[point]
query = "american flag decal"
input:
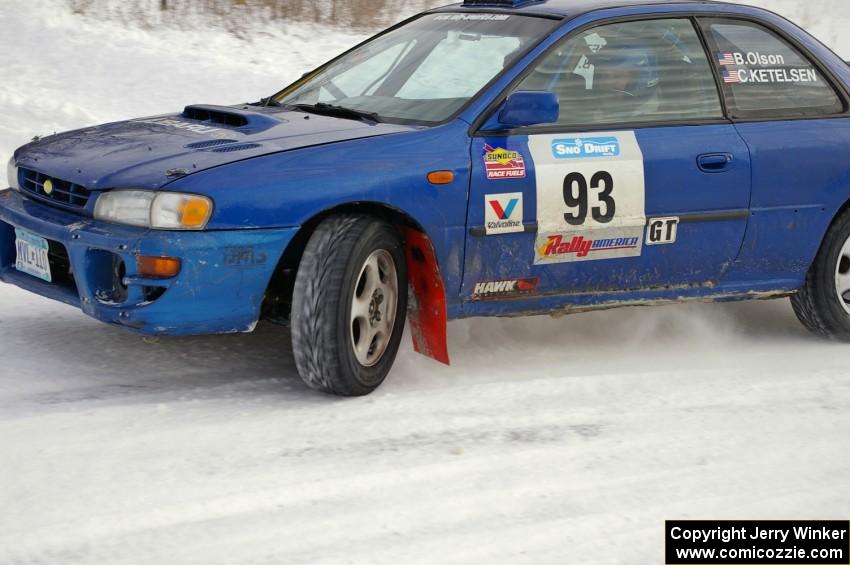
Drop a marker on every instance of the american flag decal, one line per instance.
(731, 77)
(726, 60)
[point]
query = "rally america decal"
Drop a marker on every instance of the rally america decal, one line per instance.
(590, 197)
(488, 290)
(503, 213)
(503, 164)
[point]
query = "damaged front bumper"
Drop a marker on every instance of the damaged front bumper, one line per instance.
(220, 287)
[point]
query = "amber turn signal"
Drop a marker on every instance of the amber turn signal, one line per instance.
(158, 267)
(195, 212)
(441, 177)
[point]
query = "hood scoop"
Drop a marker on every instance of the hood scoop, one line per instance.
(232, 118)
(218, 116)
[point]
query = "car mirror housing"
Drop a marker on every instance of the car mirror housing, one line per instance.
(529, 108)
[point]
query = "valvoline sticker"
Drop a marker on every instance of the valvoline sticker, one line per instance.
(583, 147)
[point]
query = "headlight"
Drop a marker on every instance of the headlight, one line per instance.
(12, 174)
(175, 211)
(131, 207)
(157, 210)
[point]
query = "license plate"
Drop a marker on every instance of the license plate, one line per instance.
(32, 255)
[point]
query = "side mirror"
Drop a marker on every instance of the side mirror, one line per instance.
(529, 108)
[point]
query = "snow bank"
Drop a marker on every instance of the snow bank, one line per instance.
(62, 71)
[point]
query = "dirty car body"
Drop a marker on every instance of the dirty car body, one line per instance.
(595, 153)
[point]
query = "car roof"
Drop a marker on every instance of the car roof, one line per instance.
(564, 8)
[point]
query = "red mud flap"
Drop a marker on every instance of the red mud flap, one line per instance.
(427, 307)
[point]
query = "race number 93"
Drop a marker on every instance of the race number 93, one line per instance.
(578, 199)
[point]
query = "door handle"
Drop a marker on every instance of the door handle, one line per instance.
(715, 162)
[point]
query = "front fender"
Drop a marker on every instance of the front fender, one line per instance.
(288, 189)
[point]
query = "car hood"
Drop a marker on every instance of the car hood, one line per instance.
(151, 152)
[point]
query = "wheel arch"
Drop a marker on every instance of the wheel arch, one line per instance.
(427, 310)
(840, 211)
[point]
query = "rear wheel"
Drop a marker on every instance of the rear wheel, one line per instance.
(823, 304)
(349, 305)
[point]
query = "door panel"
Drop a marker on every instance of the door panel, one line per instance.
(643, 214)
(800, 179)
(800, 166)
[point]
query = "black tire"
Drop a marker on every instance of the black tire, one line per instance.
(819, 305)
(326, 288)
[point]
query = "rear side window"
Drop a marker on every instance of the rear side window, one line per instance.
(764, 76)
(626, 73)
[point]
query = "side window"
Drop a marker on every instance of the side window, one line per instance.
(764, 76)
(644, 71)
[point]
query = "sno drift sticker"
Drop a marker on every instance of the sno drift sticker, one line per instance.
(503, 213)
(590, 197)
(505, 289)
(575, 148)
(503, 164)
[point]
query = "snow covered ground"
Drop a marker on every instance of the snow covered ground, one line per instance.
(548, 441)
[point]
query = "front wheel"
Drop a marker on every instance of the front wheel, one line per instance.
(349, 305)
(823, 304)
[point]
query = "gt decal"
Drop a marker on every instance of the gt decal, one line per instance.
(503, 213)
(505, 289)
(662, 231)
(590, 197)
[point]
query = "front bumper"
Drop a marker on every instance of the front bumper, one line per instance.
(220, 287)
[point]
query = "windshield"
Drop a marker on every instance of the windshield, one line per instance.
(422, 72)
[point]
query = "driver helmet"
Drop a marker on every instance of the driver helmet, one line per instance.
(628, 71)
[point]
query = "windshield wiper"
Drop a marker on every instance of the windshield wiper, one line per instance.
(267, 101)
(325, 109)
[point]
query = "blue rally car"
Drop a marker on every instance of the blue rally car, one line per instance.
(491, 158)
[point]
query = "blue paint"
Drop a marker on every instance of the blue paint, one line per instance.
(278, 170)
